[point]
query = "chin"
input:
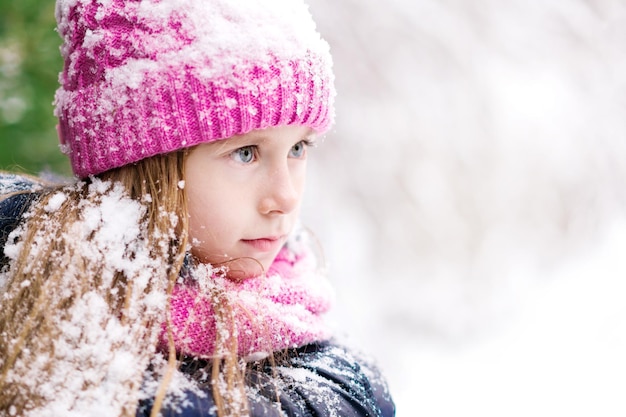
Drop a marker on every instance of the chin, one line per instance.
(240, 268)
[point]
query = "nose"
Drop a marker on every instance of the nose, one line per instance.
(282, 190)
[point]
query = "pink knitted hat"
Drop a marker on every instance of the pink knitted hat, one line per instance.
(147, 77)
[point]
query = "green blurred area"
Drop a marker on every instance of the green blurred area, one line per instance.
(29, 66)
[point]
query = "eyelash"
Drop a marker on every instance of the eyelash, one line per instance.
(309, 142)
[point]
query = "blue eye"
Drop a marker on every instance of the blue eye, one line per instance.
(298, 150)
(244, 155)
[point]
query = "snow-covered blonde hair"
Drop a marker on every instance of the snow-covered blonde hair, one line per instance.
(86, 293)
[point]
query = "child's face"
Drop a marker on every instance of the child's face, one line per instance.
(244, 195)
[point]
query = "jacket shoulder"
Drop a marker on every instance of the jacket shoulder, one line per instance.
(16, 195)
(332, 378)
(11, 183)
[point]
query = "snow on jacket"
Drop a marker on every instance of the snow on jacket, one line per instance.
(317, 380)
(323, 379)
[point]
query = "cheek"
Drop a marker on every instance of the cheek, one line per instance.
(204, 212)
(207, 232)
(213, 213)
(300, 181)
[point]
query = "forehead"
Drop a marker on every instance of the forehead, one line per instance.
(261, 136)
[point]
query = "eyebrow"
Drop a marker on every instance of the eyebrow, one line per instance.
(254, 137)
(238, 141)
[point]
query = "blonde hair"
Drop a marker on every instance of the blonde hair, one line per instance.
(38, 295)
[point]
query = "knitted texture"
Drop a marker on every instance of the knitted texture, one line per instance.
(148, 77)
(267, 313)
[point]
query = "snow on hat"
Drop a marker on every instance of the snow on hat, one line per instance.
(147, 77)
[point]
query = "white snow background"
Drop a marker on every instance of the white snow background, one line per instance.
(471, 200)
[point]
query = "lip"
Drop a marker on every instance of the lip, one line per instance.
(265, 244)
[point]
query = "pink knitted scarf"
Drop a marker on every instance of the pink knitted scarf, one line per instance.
(279, 310)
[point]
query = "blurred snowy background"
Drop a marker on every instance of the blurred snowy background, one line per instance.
(471, 200)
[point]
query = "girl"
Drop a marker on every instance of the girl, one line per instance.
(172, 278)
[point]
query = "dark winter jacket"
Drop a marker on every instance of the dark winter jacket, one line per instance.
(12, 208)
(318, 380)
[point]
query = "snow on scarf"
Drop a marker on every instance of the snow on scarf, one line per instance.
(281, 309)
